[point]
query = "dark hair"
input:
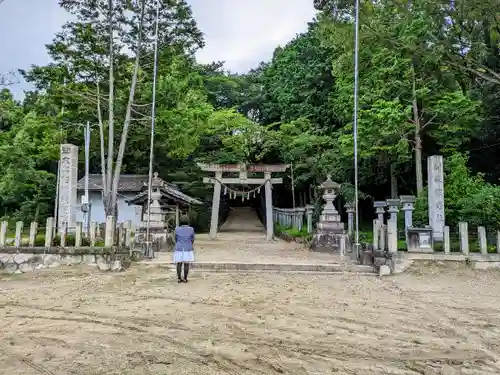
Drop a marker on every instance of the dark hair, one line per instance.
(184, 220)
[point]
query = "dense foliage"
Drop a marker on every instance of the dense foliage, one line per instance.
(429, 84)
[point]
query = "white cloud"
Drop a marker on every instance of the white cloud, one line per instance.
(243, 32)
(240, 32)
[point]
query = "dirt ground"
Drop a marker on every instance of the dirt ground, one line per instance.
(79, 321)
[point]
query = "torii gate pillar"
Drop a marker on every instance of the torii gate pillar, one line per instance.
(214, 220)
(269, 207)
(243, 179)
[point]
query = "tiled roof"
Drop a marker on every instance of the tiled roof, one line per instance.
(128, 182)
(168, 191)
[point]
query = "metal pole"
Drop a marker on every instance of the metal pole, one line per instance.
(355, 126)
(87, 198)
(151, 146)
(293, 186)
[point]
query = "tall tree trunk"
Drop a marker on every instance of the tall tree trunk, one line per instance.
(128, 114)
(418, 140)
(105, 191)
(394, 181)
(108, 203)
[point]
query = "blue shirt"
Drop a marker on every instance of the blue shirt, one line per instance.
(184, 238)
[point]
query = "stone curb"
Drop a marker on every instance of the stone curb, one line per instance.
(279, 267)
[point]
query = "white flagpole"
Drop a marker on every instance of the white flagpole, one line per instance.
(151, 146)
(355, 126)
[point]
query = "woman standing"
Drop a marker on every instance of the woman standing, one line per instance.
(184, 250)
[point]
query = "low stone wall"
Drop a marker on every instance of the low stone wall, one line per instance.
(21, 260)
(387, 263)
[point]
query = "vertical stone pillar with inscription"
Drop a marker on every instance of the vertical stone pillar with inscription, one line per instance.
(68, 177)
(436, 196)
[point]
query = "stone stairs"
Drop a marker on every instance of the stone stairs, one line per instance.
(241, 246)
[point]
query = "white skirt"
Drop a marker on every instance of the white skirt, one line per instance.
(183, 256)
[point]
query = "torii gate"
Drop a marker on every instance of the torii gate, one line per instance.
(218, 180)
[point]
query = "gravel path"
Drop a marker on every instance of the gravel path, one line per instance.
(78, 321)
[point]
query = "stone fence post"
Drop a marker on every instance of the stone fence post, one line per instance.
(350, 218)
(376, 234)
(382, 231)
(49, 232)
(309, 213)
(392, 235)
(33, 232)
(483, 244)
(63, 232)
(19, 234)
(300, 212)
(463, 232)
(109, 236)
(447, 244)
(128, 233)
(93, 233)
(78, 234)
(3, 233)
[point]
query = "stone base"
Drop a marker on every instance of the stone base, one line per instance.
(161, 239)
(328, 242)
(29, 262)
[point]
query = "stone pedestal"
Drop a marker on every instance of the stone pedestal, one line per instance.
(157, 222)
(420, 240)
(330, 230)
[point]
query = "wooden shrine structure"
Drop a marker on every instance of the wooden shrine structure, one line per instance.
(247, 174)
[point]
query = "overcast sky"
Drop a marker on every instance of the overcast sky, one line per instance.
(240, 32)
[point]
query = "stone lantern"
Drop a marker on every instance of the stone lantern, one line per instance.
(330, 229)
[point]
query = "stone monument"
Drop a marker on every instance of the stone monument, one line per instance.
(68, 178)
(330, 234)
(436, 196)
(157, 217)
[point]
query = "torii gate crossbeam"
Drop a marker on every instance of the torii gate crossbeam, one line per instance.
(243, 179)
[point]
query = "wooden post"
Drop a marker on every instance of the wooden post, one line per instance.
(214, 222)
